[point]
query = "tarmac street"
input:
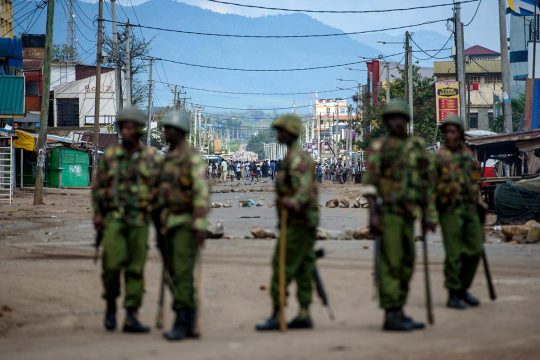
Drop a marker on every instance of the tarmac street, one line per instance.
(50, 305)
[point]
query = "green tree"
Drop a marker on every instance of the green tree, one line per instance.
(423, 105)
(139, 52)
(63, 53)
(256, 143)
(518, 110)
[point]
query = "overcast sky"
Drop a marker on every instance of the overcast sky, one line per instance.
(483, 30)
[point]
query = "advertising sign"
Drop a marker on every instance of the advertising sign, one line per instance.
(446, 99)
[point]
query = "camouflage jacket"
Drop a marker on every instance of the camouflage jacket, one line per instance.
(457, 178)
(296, 180)
(399, 173)
(183, 195)
(125, 186)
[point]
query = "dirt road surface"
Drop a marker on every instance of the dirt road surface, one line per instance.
(50, 306)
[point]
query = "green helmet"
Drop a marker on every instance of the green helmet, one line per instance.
(453, 120)
(396, 107)
(132, 114)
(177, 119)
(290, 123)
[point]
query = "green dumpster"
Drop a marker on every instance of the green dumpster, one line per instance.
(67, 168)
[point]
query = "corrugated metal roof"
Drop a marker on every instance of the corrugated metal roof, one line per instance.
(473, 67)
(480, 50)
(11, 96)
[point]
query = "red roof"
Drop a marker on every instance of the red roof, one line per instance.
(478, 50)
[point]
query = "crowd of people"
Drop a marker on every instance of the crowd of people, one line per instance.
(336, 173)
(237, 170)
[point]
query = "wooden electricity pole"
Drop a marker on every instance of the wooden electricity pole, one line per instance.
(44, 116)
(98, 92)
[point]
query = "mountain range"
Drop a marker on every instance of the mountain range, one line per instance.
(250, 53)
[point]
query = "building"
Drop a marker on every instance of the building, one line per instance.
(73, 102)
(11, 81)
(330, 126)
(483, 76)
(6, 18)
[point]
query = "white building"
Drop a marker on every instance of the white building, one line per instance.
(74, 101)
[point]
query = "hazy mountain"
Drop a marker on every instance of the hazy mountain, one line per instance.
(233, 52)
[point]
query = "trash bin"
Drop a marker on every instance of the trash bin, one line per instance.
(68, 168)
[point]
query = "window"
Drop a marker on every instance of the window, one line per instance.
(32, 88)
(473, 120)
(342, 110)
(473, 79)
(492, 79)
(68, 112)
(490, 119)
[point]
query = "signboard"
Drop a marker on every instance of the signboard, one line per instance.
(446, 99)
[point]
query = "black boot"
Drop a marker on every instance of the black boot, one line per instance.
(416, 325)
(110, 315)
(455, 301)
(179, 328)
(393, 321)
(191, 319)
(469, 299)
(132, 324)
(301, 321)
(272, 323)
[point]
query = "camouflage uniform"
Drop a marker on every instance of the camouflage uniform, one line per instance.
(183, 206)
(296, 181)
(124, 195)
(398, 173)
(457, 196)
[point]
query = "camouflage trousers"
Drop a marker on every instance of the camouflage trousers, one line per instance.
(124, 249)
(299, 264)
(462, 237)
(181, 256)
(396, 260)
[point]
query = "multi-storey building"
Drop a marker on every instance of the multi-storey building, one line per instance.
(484, 84)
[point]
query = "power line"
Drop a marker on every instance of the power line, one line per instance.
(259, 93)
(434, 56)
(24, 17)
(276, 36)
(270, 70)
(341, 11)
(475, 12)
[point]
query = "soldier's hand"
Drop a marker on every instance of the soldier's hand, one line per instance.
(200, 236)
(375, 224)
(98, 223)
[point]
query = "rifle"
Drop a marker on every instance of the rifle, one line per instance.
(427, 282)
(161, 301)
(321, 291)
(482, 212)
(97, 243)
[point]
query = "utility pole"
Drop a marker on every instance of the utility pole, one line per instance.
(410, 81)
(505, 69)
(460, 62)
(71, 33)
(118, 70)
(406, 72)
(149, 125)
(387, 82)
(175, 96)
(98, 91)
(128, 64)
(44, 116)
